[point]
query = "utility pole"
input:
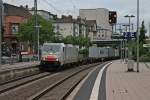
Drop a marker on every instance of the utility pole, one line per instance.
(37, 30)
(112, 29)
(138, 32)
(149, 29)
(38, 41)
(36, 24)
(1, 16)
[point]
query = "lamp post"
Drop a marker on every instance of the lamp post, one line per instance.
(125, 42)
(138, 31)
(129, 16)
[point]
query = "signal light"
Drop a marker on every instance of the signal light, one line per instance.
(112, 17)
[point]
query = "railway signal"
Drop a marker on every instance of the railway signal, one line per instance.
(112, 17)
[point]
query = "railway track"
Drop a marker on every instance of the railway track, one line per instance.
(38, 88)
(66, 84)
(21, 81)
(23, 77)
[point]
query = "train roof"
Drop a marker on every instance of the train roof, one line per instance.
(62, 44)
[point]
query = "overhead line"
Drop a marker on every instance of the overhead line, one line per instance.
(53, 7)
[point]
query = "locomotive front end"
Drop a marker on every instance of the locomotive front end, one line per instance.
(50, 57)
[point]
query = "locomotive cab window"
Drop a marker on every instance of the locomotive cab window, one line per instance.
(51, 49)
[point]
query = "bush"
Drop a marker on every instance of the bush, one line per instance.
(84, 52)
(145, 58)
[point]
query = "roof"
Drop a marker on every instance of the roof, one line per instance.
(94, 9)
(44, 12)
(69, 19)
(11, 10)
(65, 20)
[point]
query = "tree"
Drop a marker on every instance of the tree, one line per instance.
(143, 31)
(142, 40)
(27, 31)
(79, 40)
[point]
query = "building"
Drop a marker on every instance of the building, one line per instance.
(45, 14)
(101, 15)
(13, 17)
(91, 28)
(67, 26)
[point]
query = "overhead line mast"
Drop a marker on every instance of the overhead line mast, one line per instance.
(35, 24)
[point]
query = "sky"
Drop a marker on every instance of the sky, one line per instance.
(66, 7)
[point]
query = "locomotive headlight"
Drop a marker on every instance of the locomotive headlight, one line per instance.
(43, 58)
(57, 59)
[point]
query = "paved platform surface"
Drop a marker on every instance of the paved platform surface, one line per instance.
(93, 86)
(8, 67)
(123, 85)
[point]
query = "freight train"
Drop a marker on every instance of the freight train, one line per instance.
(103, 53)
(56, 55)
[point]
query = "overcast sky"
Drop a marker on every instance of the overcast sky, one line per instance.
(123, 7)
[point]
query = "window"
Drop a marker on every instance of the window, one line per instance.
(102, 35)
(15, 28)
(50, 49)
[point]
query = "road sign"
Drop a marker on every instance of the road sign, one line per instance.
(146, 45)
(129, 35)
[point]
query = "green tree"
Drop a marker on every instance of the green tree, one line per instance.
(142, 40)
(79, 40)
(27, 31)
(143, 31)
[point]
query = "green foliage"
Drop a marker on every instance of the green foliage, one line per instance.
(145, 58)
(85, 52)
(80, 40)
(142, 50)
(133, 47)
(27, 31)
(142, 40)
(143, 31)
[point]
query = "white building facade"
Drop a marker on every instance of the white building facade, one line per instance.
(67, 26)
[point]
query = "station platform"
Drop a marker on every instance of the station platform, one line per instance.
(17, 66)
(123, 85)
(113, 82)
